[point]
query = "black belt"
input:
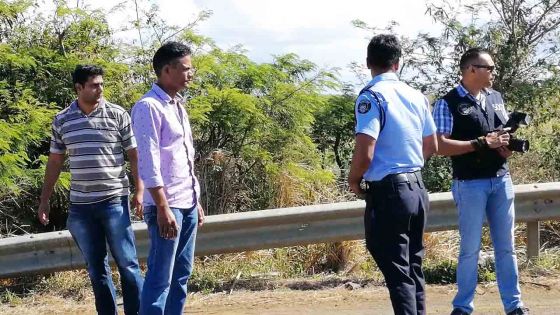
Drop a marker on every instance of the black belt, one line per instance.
(391, 179)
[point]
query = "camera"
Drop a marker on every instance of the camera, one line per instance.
(516, 120)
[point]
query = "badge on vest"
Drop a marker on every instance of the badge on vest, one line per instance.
(364, 106)
(465, 109)
(499, 107)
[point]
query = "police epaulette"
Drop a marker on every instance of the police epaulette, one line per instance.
(379, 100)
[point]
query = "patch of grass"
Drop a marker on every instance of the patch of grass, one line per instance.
(14, 289)
(486, 273)
(219, 272)
(442, 272)
(445, 272)
(547, 264)
(68, 284)
(10, 297)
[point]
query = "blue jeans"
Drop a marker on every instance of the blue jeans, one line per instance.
(93, 226)
(170, 263)
(475, 199)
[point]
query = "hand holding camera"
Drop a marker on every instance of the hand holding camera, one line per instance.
(516, 120)
(504, 137)
(497, 139)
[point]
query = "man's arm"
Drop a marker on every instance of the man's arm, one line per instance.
(128, 142)
(429, 140)
(363, 155)
(167, 224)
(451, 147)
(368, 127)
(138, 183)
(200, 209)
(52, 171)
(429, 146)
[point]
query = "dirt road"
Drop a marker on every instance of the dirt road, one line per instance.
(541, 295)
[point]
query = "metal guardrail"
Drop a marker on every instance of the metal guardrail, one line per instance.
(227, 233)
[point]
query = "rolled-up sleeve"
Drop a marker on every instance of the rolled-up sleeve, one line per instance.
(57, 145)
(127, 135)
(146, 124)
(443, 117)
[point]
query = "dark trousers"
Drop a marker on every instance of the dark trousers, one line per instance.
(395, 217)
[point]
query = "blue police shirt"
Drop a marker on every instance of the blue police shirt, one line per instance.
(398, 147)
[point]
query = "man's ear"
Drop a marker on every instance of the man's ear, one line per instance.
(165, 70)
(78, 87)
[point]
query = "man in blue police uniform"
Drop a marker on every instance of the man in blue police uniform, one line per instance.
(466, 120)
(395, 134)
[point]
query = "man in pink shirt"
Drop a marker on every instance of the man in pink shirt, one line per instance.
(172, 209)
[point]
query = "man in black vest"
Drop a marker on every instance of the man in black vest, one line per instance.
(466, 120)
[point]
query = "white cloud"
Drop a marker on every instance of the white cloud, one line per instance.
(320, 31)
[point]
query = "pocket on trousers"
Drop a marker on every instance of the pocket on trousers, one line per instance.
(402, 200)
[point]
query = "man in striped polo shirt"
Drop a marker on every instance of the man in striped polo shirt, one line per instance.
(95, 133)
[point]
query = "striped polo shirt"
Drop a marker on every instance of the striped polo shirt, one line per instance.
(95, 145)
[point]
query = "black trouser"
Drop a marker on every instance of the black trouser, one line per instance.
(396, 211)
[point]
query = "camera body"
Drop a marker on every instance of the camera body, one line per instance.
(516, 120)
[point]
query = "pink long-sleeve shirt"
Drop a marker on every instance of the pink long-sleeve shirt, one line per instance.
(165, 148)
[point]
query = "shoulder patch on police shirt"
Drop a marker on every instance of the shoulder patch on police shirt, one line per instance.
(364, 106)
(465, 108)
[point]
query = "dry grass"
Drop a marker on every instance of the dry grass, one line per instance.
(255, 269)
(316, 266)
(69, 284)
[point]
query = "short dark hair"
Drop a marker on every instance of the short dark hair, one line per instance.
(470, 55)
(82, 73)
(384, 51)
(168, 53)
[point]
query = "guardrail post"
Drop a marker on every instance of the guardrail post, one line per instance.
(533, 239)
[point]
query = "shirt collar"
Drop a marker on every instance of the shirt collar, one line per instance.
(164, 96)
(74, 106)
(464, 92)
(385, 76)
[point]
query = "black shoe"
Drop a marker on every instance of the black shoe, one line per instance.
(519, 311)
(458, 311)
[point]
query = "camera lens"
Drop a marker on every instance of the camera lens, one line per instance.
(518, 145)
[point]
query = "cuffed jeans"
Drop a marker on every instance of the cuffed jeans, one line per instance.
(475, 199)
(170, 263)
(93, 226)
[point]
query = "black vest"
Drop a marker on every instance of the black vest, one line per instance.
(471, 122)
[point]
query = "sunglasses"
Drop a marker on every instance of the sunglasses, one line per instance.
(489, 68)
